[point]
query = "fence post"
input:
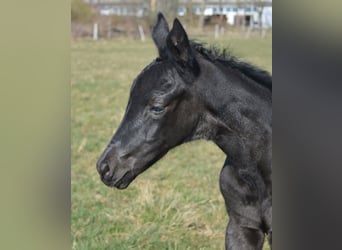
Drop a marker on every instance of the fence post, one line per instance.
(141, 33)
(109, 31)
(217, 28)
(95, 32)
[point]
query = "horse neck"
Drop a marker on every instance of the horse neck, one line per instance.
(232, 101)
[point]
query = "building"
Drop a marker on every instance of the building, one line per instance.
(232, 9)
(120, 8)
(248, 11)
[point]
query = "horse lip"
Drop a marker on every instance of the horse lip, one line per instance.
(113, 182)
(123, 182)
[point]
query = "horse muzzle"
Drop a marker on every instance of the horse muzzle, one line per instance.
(115, 171)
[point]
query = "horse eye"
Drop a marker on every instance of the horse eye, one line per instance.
(157, 109)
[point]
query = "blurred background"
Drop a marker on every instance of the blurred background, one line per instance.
(134, 18)
(176, 204)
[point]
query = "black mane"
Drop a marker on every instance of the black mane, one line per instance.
(213, 54)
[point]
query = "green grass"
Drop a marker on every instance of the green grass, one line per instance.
(176, 204)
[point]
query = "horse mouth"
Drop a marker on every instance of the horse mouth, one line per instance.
(124, 181)
(122, 178)
(121, 182)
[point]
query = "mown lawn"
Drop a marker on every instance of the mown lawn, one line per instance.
(176, 204)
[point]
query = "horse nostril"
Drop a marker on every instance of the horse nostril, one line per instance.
(125, 156)
(107, 176)
(103, 168)
(105, 171)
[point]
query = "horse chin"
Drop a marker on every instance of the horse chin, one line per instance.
(124, 181)
(122, 185)
(120, 182)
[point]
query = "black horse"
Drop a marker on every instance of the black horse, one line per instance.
(188, 93)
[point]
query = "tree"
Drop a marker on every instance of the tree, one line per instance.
(189, 11)
(260, 4)
(201, 18)
(81, 12)
(168, 7)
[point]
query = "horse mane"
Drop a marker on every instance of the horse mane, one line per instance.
(215, 54)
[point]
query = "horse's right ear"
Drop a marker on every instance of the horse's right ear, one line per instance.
(159, 34)
(180, 50)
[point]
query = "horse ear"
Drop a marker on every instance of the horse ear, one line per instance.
(180, 48)
(178, 43)
(159, 34)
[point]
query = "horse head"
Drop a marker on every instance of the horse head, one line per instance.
(161, 112)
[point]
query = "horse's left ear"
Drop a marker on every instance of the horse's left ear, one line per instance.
(159, 34)
(179, 46)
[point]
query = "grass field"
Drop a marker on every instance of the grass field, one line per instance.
(176, 204)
